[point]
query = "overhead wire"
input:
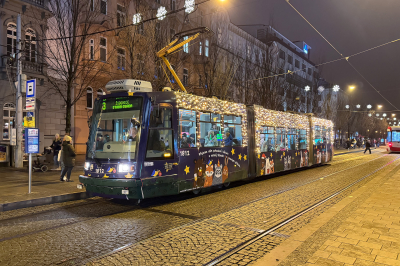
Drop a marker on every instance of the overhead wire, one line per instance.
(347, 58)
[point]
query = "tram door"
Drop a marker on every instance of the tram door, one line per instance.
(161, 162)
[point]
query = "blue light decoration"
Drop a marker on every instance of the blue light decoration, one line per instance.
(305, 48)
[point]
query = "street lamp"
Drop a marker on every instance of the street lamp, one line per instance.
(358, 106)
(369, 114)
(352, 87)
(393, 114)
(394, 118)
(347, 106)
(379, 106)
(384, 115)
(369, 106)
(377, 114)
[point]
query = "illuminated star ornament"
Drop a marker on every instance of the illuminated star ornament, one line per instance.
(161, 13)
(189, 6)
(358, 106)
(336, 88)
(307, 88)
(187, 170)
(321, 88)
(137, 18)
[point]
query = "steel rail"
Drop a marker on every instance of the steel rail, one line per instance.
(290, 219)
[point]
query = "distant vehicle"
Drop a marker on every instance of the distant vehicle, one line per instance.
(393, 138)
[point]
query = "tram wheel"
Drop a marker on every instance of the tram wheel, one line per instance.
(196, 191)
(227, 184)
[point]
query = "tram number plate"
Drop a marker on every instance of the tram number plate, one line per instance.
(125, 192)
(79, 186)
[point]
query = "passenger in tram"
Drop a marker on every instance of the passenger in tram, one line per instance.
(228, 139)
(132, 134)
(192, 140)
(211, 139)
(99, 142)
(184, 141)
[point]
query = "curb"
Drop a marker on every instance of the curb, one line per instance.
(43, 201)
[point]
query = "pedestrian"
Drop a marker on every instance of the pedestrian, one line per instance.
(348, 143)
(56, 146)
(67, 158)
(367, 147)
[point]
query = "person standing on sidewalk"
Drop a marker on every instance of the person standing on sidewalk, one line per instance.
(367, 147)
(67, 157)
(56, 146)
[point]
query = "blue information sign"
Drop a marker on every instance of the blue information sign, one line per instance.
(31, 140)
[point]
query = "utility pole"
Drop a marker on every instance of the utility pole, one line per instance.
(18, 148)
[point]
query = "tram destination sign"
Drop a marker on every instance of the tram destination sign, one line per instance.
(121, 104)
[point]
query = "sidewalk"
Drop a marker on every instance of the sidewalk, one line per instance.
(346, 151)
(361, 229)
(46, 187)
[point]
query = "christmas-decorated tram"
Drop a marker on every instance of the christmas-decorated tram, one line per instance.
(145, 144)
(393, 138)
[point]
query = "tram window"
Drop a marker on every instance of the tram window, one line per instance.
(233, 126)
(267, 139)
(210, 133)
(291, 138)
(302, 140)
(395, 135)
(324, 135)
(317, 134)
(160, 140)
(161, 117)
(187, 128)
(160, 144)
(281, 141)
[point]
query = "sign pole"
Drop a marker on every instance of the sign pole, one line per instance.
(30, 173)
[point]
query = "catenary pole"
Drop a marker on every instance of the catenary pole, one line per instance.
(18, 148)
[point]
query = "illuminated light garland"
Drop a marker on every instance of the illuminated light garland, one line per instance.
(323, 123)
(212, 105)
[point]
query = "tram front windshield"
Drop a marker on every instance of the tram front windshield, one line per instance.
(395, 136)
(115, 128)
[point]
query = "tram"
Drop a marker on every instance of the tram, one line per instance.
(393, 138)
(144, 144)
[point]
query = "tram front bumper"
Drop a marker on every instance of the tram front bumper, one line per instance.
(112, 188)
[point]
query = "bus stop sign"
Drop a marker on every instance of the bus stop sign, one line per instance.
(31, 140)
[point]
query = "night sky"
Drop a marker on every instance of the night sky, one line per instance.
(351, 26)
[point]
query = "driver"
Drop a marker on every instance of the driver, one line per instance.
(132, 134)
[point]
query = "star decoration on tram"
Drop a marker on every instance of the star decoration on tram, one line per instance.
(233, 151)
(245, 157)
(259, 156)
(240, 156)
(187, 170)
(105, 176)
(128, 175)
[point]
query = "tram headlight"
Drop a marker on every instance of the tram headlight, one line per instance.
(124, 168)
(87, 165)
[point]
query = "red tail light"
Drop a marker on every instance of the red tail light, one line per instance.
(390, 144)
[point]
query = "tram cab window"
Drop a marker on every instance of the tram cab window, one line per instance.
(160, 139)
(281, 139)
(187, 128)
(318, 137)
(267, 139)
(210, 130)
(302, 140)
(232, 132)
(291, 139)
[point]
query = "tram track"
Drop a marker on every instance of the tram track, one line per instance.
(290, 219)
(240, 206)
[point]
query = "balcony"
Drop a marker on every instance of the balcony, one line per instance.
(298, 80)
(40, 3)
(27, 67)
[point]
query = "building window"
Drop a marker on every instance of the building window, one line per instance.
(121, 58)
(30, 46)
(8, 119)
(296, 63)
(103, 49)
(140, 28)
(11, 39)
(171, 33)
(100, 92)
(281, 54)
(158, 1)
(206, 48)
(91, 5)
(173, 5)
(248, 51)
(219, 35)
(309, 71)
(140, 64)
(230, 42)
(91, 49)
(200, 81)
(201, 18)
(158, 29)
(200, 48)
(120, 16)
(89, 98)
(290, 59)
(186, 45)
(103, 7)
(304, 68)
(185, 76)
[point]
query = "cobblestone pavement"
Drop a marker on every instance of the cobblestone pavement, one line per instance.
(178, 230)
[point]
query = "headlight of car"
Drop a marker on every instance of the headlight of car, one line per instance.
(87, 166)
(124, 168)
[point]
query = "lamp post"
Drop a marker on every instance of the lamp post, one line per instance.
(351, 88)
